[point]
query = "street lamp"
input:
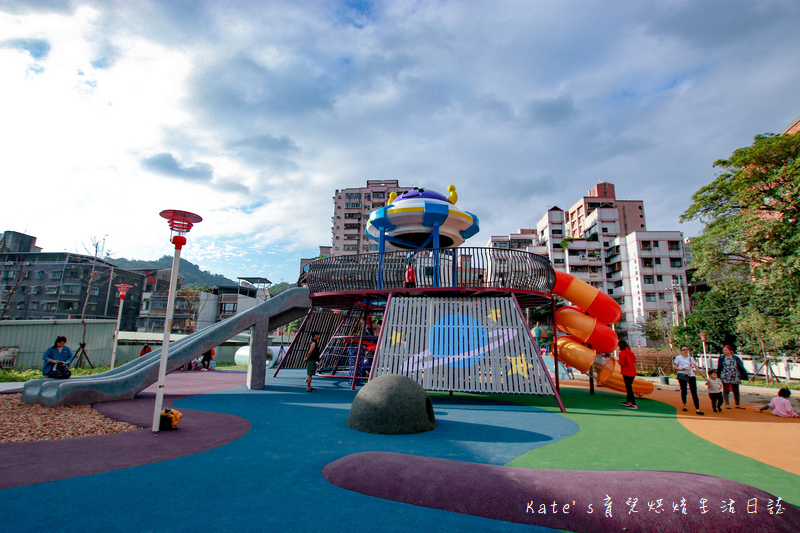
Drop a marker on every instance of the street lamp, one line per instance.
(705, 355)
(123, 291)
(180, 222)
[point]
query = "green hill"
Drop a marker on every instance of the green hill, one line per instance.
(191, 273)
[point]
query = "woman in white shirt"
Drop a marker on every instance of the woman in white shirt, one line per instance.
(685, 365)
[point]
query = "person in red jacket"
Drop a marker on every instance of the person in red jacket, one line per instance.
(410, 278)
(627, 360)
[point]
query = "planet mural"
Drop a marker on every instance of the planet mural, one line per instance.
(458, 341)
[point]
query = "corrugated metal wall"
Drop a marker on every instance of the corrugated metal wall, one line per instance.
(461, 344)
(33, 337)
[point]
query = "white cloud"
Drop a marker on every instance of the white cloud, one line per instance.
(252, 113)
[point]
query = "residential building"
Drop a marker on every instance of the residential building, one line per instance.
(351, 209)
(603, 195)
(61, 285)
(603, 241)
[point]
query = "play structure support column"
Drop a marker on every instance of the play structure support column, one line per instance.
(257, 365)
(381, 250)
(381, 334)
(553, 343)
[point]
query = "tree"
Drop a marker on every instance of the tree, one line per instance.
(750, 214)
(656, 328)
(194, 302)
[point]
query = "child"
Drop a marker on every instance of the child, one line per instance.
(714, 391)
(780, 405)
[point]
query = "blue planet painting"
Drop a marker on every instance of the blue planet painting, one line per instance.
(458, 341)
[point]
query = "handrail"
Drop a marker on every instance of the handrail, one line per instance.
(463, 267)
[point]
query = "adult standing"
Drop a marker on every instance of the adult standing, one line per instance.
(627, 361)
(731, 372)
(310, 361)
(686, 365)
(59, 352)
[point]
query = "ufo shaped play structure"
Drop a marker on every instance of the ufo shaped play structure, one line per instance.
(459, 326)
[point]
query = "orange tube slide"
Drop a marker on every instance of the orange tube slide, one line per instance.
(586, 328)
(598, 304)
(575, 354)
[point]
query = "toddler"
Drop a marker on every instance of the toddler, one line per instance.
(714, 391)
(780, 405)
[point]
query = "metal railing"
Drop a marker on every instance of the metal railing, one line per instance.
(464, 267)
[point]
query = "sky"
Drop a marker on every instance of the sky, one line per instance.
(252, 113)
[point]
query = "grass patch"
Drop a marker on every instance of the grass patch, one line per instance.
(10, 376)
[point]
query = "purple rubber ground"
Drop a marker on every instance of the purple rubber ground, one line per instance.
(528, 496)
(24, 463)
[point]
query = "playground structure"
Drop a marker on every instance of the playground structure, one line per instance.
(462, 326)
(123, 382)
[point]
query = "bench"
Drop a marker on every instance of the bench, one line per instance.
(8, 357)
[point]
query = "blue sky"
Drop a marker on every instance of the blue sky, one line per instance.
(251, 113)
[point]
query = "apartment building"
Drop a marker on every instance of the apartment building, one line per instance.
(644, 271)
(351, 209)
(59, 285)
(603, 196)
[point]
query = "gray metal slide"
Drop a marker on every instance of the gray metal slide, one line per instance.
(125, 381)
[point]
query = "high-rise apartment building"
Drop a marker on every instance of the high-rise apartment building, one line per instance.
(603, 196)
(351, 212)
(604, 242)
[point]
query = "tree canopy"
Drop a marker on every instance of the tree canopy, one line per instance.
(750, 212)
(751, 241)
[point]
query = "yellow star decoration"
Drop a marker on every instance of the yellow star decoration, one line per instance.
(495, 314)
(396, 337)
(519, 365)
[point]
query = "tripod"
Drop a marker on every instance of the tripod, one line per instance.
(80, 354)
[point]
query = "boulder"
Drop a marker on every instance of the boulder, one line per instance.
(392, 405)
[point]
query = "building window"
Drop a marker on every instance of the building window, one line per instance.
(227, 309)
(675, 263)
(94, 291)
(659, 278)
(557, 232)
(351, 237)
(378, 194)
(55, 274)
(40, 274)
(72, 289)
(646, 245)
(51, 290)
(9, 274)
(647, 262)
(350, 247)
(353, 195)
(352, 226)
(658, 260)
(352, 215)
(605, 230)
(648, 280)
(673, 246)
(655, 244)
(558, 261)
(661, 295)
(649, 297)
(676, 280)
(50, 306)
(352, 205)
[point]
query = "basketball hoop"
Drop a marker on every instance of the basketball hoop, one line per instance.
(180, 222)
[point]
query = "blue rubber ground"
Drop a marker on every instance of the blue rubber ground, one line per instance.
(270, 479)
